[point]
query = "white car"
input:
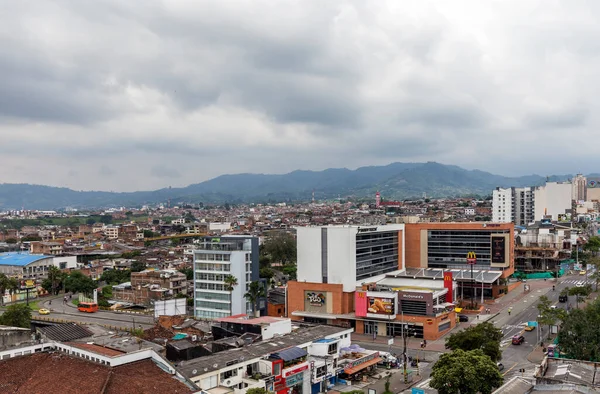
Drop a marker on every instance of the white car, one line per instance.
(580, 284)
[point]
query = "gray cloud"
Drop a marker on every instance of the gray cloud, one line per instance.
(91, 87)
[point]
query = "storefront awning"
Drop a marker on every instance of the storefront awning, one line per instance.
(353, 370)
(444, 305)
(290, 354)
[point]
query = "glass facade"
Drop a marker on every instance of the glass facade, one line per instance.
(376, 253)
(449, 248)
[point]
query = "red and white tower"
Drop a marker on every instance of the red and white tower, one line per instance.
(377, 199)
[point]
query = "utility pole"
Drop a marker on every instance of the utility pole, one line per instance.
(405, 358)
(471, 260)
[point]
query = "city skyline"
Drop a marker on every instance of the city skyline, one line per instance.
(114, 96)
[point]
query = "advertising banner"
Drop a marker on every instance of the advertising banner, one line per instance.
(498, 249)
(448, 285)
(381, 306)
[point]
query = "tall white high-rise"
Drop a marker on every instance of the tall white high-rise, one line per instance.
(214, 259)
(502, 208)
(515, 204)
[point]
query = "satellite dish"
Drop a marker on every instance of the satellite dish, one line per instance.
(215, 365)
(195, 371)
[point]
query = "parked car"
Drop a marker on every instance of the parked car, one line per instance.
(463, 318)
(500, 366)
(518, 339)
(44, 311)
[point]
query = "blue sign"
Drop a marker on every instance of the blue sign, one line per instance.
(417, 391)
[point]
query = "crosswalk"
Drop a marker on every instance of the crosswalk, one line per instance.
(574, 281)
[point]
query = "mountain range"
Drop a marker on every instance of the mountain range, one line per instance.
(393, 181)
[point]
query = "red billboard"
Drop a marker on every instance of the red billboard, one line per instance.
(360, 304)
(448, 285)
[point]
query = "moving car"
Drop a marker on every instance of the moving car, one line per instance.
(44, 311)
(529, 328)
(518, 339)
(463, 318)
(563, 298)
(582, 272)
(580, 284)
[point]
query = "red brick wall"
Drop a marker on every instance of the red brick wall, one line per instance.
(276, 310)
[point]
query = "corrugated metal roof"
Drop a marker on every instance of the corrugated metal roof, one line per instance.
(20, 259)
(65, 332)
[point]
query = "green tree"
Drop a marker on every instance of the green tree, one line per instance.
(30, 238)
(578, 336)
(255, 292)
(16, 315)
(580, 292)
(11, 241)
(115, 277)
(484, 336)
(138, 266)
(107, 292)
(465, 372)
(592, 245)
(79, 283)
(281, 248)
(291, 270)
(230, 282)
(56, 278)
(188, 272)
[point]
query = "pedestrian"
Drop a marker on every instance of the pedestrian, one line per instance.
(50, 302)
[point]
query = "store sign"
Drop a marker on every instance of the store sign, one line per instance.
(471, 258)
(448, 285)
(367, 229)
(294, 380)
(363, 360)
(412, 296)
(296, 370)
(315, 298)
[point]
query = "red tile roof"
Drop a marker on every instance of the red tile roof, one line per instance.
(57, 372)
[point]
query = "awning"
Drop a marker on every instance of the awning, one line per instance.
(353, 370)
(444, 305)
(290, 354)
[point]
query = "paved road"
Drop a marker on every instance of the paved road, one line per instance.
(514, 357)
(70, 313)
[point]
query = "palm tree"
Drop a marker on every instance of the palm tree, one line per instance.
(255, 292)
(230, 282)
(13, 285)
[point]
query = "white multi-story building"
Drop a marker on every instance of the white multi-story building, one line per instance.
(553, 199)
(502, 209)
(214, 259)
(515, 204)
(347, 254)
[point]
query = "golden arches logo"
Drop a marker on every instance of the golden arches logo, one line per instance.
(471, 255)
(362, 295)
(447, 277)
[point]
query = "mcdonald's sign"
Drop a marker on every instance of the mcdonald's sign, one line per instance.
(448, 285)
(471, 258)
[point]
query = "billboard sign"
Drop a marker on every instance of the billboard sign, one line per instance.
(381, 306)
(471, 258)
(498, 249)
(172, 307)
(448, 285)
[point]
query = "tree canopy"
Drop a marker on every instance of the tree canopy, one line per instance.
(465, 372)
(280, 248)
(484, 336)
(79, 283)
(255, 292)
(579, 336)
(16, 315)
(115, 277)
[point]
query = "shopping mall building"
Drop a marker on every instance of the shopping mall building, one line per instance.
(379, 279)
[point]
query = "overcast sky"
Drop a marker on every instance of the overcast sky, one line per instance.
(137, 95)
